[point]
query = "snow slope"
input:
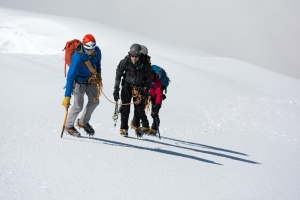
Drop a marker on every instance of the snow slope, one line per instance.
(230, 130)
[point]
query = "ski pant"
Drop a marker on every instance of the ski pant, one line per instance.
(139, 111)
(154, 125)
(91, 91)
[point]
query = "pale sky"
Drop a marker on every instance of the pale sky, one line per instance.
(265, 33)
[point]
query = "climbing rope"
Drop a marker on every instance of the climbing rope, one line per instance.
(135, 93)
(93, 79)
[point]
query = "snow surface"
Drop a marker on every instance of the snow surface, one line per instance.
(230, 130)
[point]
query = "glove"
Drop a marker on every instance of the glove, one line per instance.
(155, 110)
(99, 78)
(66, 102)
(164, 97)
(116, 93)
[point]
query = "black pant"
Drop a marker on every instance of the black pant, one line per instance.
(139, 111)
(154, 126)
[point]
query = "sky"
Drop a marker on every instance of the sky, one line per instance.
(263, 33)
(230, 129)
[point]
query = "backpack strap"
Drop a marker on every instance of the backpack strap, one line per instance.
(65, 70)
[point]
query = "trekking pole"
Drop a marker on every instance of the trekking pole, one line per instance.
(64, 126)
(156, 121)
(115, 116)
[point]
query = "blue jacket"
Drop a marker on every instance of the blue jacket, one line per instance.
(78, 70)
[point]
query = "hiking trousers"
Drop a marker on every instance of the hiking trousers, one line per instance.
(79, 91)
(139, 110)
(154, 125)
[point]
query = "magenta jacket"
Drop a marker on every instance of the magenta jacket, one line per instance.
(156, 91)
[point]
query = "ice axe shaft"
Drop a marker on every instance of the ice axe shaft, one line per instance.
(64, 125)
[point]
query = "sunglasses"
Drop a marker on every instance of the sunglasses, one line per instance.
(134, 56)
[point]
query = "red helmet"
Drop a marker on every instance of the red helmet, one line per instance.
(89, 41)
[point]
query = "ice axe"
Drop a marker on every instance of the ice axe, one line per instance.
(64, 125)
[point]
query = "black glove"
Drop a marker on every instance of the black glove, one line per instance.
(155, 110)
(116, 93)
(164, 97)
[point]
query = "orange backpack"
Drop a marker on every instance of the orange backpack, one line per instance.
(70, 50)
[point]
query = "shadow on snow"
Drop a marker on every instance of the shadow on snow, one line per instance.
(203, 146)
(205, 152)
(158, 150)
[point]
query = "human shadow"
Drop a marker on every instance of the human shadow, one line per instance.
(202, 151)
(157, 150)
(204, 146)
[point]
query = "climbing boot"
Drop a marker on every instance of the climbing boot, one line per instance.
(124, 132)
(72, 131)
(87, 128)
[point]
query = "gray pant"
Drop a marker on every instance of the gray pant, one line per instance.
(79, 91)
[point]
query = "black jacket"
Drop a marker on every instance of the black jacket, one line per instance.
(138, 74)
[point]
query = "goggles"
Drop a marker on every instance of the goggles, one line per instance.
(89, 45)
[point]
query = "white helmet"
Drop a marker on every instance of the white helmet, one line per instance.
(144, 50)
